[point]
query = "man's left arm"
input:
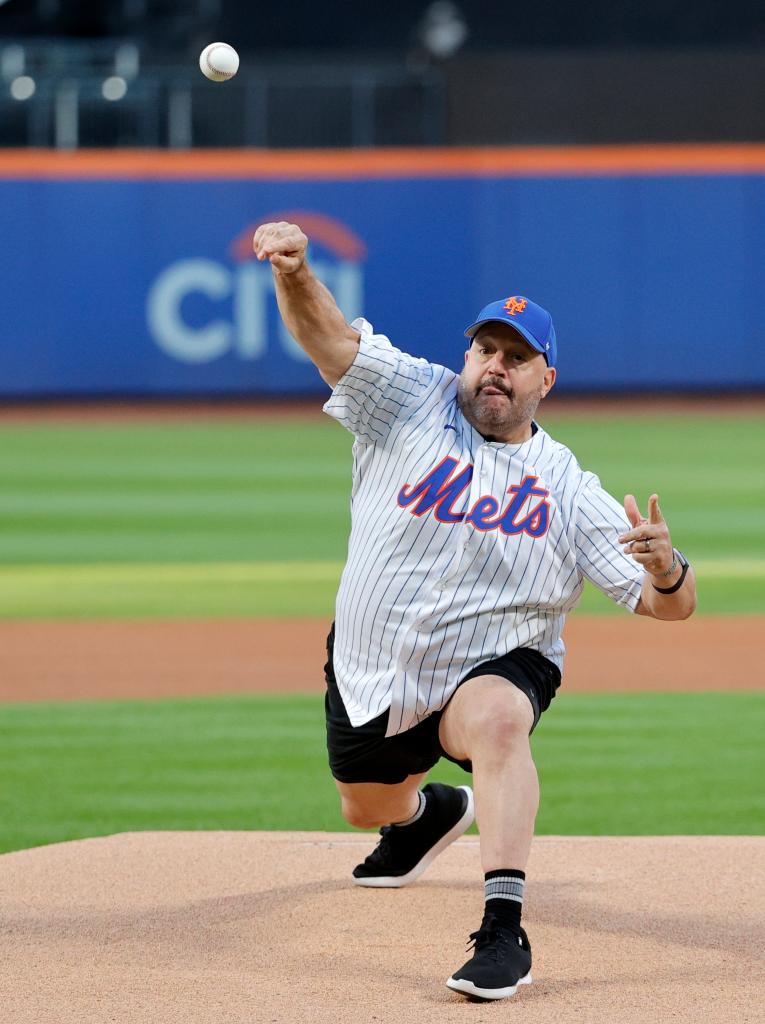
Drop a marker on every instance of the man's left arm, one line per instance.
(662, 596)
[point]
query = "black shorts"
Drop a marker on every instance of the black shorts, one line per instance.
(363, 753)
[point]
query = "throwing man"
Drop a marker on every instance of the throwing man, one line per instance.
(472, 532)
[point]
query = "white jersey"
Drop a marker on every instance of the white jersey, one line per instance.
(461, 549)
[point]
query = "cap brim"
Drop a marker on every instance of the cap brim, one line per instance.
(471, 332)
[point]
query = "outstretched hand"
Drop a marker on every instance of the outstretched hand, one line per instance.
(648, 541)
(282, 244)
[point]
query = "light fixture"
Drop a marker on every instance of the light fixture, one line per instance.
(114, 88)
(23, 87)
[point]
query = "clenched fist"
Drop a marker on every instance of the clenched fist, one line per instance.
(282, 244)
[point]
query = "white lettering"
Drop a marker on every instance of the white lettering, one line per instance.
(251, 287)
(254, 284)
(189, 344)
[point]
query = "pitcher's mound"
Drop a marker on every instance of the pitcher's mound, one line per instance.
(254, 928)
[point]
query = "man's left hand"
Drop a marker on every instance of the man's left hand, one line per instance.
(648, 541)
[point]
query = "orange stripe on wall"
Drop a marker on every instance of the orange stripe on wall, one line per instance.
(585, 161)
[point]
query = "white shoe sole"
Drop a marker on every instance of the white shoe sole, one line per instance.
(398, 881)
(467, 988)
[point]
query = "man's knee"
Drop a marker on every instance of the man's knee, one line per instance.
(500, 719)
(372, 804)
(358, 815)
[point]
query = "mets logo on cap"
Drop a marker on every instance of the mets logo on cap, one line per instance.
(515, 305)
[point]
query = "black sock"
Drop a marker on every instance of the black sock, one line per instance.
(504, 896)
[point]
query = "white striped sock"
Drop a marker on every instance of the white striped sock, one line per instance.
(417, 814)
(504, 887)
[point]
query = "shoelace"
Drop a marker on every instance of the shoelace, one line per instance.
(488, 934)
(383, 846)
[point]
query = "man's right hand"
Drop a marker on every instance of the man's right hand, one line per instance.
(307, 306)
(282, 244)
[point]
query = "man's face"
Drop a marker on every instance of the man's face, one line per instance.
(502, 382)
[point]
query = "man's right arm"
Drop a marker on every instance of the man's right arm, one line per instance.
(307, 307)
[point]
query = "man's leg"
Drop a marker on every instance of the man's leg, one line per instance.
(416, 826)
(372, 804)
(488, 722)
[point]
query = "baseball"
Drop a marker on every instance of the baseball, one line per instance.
(219, 62)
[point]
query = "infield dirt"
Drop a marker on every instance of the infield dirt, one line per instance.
(266, 928)
(78, 660)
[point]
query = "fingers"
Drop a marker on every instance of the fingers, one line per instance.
(630, 540)
(631, 537)
(655, 532)
(279, 239)
(653, 553)
(654, 512)
(266, 238)
(632, 510)
(643, 557)
(641, 532)
(648, 541)
(638, 522)
(284, 263)
(650, 562)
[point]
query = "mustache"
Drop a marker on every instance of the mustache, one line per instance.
(492, 382)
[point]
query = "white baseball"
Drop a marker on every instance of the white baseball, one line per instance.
(219, 61)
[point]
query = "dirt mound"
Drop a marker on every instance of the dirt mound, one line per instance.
(255, 928)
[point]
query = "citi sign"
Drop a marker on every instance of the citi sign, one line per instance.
(246, 316)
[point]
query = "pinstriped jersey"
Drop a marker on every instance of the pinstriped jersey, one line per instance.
(461, 549)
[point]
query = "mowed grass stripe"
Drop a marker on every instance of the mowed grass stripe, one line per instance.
(176, 591)
(277, 491)
(174, 492)
(617, 764)
(178, 572)
(264, 589)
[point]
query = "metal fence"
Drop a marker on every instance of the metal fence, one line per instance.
(99, 96)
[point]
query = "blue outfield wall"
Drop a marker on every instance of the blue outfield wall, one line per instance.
(146, 287)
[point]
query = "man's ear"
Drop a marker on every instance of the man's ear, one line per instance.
(467, 354)
(549, 380)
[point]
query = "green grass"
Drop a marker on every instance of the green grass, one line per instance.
(236, 519)
(237, 493)
(263, 589)
(637, 764)
(173, 492)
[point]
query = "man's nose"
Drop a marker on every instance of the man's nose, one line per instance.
(497, 365)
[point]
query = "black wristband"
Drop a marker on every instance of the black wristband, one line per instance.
(675, 586)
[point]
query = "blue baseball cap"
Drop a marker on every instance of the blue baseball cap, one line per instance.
(529, 319)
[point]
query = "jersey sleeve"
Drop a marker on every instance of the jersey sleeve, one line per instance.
(382, 386)
(600, 520)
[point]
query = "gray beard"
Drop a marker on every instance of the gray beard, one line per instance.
(498, 418)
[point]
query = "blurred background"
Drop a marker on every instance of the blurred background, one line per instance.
(445, 72)
(607, 160)
(173, 505)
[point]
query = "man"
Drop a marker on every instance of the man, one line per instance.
(472, 532)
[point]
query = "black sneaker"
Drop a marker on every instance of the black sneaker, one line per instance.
(403, 853)
(501, 962)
